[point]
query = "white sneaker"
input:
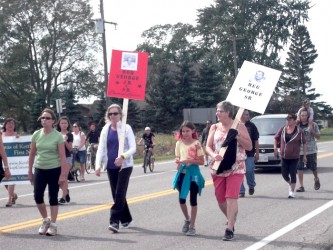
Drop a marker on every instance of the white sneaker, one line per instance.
(45, 226)
(52, 230)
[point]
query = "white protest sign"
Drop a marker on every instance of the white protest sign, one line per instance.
(252, 90)
(253, 87)
(17, 150)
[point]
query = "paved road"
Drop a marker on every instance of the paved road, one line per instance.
(267, 220)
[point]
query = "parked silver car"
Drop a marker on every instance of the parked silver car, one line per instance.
(267, 126)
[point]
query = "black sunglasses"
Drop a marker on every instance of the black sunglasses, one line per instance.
(46, 118)
(115, 113)
(290, 118)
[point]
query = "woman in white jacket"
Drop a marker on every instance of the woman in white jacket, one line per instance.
(119, 167)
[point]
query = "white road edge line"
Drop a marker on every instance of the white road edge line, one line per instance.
(289, 227)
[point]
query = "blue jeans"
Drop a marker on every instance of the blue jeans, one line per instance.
(251, 182)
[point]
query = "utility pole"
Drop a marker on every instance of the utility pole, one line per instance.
(100, 28)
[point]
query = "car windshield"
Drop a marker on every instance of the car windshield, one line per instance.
(268, 126)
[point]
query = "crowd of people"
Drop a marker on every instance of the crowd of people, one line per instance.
(53, 147)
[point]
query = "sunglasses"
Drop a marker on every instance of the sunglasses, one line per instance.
(115, 113)
(289, 119)
(46, 118)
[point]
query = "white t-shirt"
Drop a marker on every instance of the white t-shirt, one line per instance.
(77, 141)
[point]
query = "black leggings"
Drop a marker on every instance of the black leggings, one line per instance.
(43, 178)
(194, 190)
(289, 168)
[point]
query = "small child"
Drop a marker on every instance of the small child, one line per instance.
(306, 106)
(188, 179)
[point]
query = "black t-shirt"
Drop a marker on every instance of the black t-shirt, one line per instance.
(254, 135)
(93, 136)
(70, 138)
(148, 138)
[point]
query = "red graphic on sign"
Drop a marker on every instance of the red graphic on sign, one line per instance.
(128, 75)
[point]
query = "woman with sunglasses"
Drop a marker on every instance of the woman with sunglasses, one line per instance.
(290, 138)
(79, 144)
(119, 167)
(50, 169)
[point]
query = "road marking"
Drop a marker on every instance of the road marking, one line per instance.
(289, 227)
(325, 155)
(94, 209)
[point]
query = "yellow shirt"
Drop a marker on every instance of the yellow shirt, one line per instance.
(192, 151)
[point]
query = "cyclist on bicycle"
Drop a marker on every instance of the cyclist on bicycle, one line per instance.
(93, 136)
(148, 138)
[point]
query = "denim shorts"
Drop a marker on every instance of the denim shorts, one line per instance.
(69, 160)
(311, 162)
(81, 156)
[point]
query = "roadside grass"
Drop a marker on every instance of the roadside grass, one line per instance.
(326, 134)
(164, 148)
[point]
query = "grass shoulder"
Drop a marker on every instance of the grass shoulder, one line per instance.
(164, 148)
(326, 134)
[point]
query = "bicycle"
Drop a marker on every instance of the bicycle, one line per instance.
(74, 172)
(91, 157)
(148, 159)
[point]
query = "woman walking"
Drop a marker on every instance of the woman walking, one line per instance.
(119, 167)
(290, 138)
(9, 129)
(227, 183)
(47, 146)
(63, 127)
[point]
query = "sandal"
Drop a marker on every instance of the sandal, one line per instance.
(300, 189)
(316, 184)
(14, 199)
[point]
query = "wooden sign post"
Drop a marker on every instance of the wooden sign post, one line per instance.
(234, 126)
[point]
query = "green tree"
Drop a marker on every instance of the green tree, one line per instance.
(295, 80)
(241, 30)
(45, 47)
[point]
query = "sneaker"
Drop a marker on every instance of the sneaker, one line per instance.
(62, 201)
(316, 184)
(126, 224)
(44, 227)
(67, 198)
(114, 227)
(241, 195)
(251, 191)
(300, 189)
(52, 230)
(186, 226)
(229, 235)
(291, 195)
(191, 231)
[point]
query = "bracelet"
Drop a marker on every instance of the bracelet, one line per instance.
(6, 167)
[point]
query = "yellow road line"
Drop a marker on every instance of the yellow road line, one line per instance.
(94, 209)
(325, 155)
